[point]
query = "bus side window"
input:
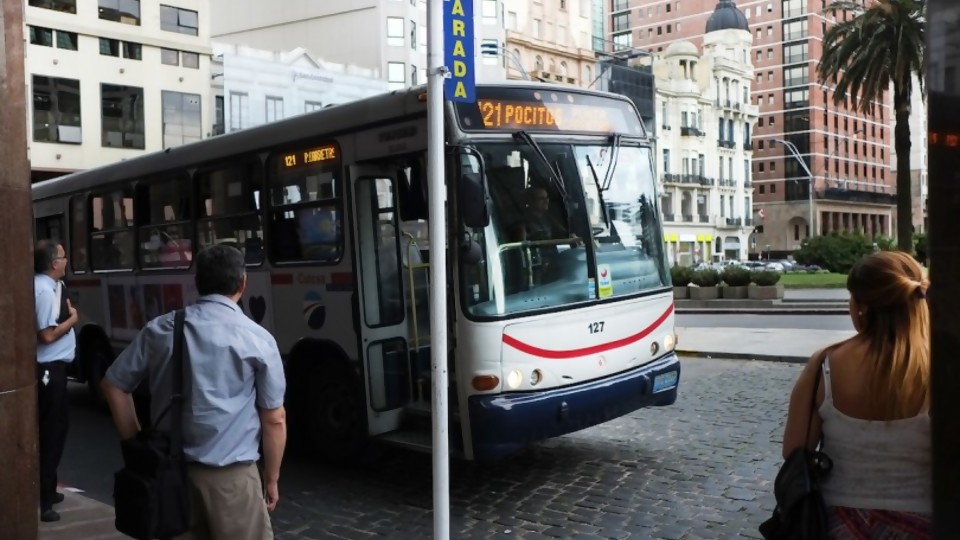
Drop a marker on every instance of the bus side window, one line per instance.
(78, 234)
(228, 209)
(166, 227)
(113, 242)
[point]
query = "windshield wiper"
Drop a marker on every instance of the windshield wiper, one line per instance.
(615, 144)
(555, 177)
(600, 190)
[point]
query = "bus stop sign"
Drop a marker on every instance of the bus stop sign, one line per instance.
(458, 36)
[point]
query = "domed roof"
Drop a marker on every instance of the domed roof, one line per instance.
(726, 16)
(681, 48)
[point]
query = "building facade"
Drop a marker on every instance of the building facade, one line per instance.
(387, 36)
(253, 87)
(847, 152)
(551, 40)
(704, 131)
(113, 79)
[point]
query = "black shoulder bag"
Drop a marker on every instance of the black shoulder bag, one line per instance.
(150, 491)
(800, 513)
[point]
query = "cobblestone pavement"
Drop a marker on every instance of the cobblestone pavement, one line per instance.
(701, 469)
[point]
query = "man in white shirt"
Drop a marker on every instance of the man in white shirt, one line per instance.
(56, 345)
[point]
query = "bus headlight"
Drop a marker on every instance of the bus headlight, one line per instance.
(536, 377)
(668, 342)
(514, 379)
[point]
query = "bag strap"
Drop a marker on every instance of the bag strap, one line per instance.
(813, 401)
(177, 362)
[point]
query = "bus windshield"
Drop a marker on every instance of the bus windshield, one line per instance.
(569, 223)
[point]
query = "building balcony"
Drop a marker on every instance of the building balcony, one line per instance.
(687, 218)
(687, 179)
(218, 129)
(704, 218)
(669, 217)
(726, 144)
(748, 146)
(690, 131)
(849, 195)
(727, 183)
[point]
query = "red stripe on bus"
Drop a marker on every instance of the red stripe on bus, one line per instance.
(281, 279)
(574, 353)
(83, 283)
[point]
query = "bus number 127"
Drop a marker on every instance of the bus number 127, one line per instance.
(596, 327)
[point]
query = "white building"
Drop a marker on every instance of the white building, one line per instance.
(705, 119)
(550, 40)
(388, 36)
(113, 79)
(253, 87)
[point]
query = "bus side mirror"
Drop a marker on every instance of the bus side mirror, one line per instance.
(473, 200)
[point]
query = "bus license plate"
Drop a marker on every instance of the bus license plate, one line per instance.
(664, 381)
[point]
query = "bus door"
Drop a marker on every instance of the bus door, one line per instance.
(383, 319)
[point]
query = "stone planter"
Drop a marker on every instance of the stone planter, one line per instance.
(768, 292)
(704, 293)
(680, 293)
(734, 293)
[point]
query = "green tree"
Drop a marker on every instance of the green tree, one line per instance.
(880, 47)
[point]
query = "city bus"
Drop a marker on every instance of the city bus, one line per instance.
(559, 297)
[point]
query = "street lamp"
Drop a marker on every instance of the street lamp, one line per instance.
(493, 49)
(796, 154)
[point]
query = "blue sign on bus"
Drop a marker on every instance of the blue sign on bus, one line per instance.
(458, 50)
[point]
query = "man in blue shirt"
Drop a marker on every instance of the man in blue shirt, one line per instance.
(233, 384)
(56, 345)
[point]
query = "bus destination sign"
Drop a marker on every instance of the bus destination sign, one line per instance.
(516, 109)
(317, 155)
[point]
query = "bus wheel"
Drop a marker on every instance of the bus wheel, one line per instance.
(330, 413)
(97, 364)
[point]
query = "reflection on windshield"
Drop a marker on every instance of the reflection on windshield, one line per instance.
(542, 251)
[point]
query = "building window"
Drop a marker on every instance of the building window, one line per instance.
(666, 161)
(41, 36)
(512, 20)
(181, 118)
(190, 59)
(488, 10)
(170, 57)
(413, 35)
(490, 45)
(109, 47)
(66, 40)
(623, 41)
(538, 63)
(414, 75)
(218, 115)
(122, 11)
(396, 75)
(133, 51)
(56, 110)
(621, 22)
(179, 20)
(536, 28)
(395, 31)
(274, 109)
(66, 6)
(121, 115)
(310, 106)
(239, 110)
(762, 189)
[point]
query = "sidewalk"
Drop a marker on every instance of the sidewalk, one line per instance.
(777, 345)
(81, 518)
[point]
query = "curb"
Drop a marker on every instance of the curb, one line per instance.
(761, 311)
(745, 356)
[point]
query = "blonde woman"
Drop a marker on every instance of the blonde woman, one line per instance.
(872, 406)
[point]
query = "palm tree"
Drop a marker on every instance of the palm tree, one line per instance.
(882, 45)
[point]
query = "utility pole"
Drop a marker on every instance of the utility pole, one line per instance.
(18, 395)
(943, 103)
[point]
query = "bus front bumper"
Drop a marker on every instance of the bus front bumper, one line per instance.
(502, 424)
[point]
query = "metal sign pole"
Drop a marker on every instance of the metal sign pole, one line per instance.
(438, 268)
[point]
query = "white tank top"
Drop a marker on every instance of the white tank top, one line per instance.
(882, 465)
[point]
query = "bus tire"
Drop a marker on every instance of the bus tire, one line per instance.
(98, 361)
(327, 413)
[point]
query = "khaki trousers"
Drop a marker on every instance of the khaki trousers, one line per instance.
(226, 503)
